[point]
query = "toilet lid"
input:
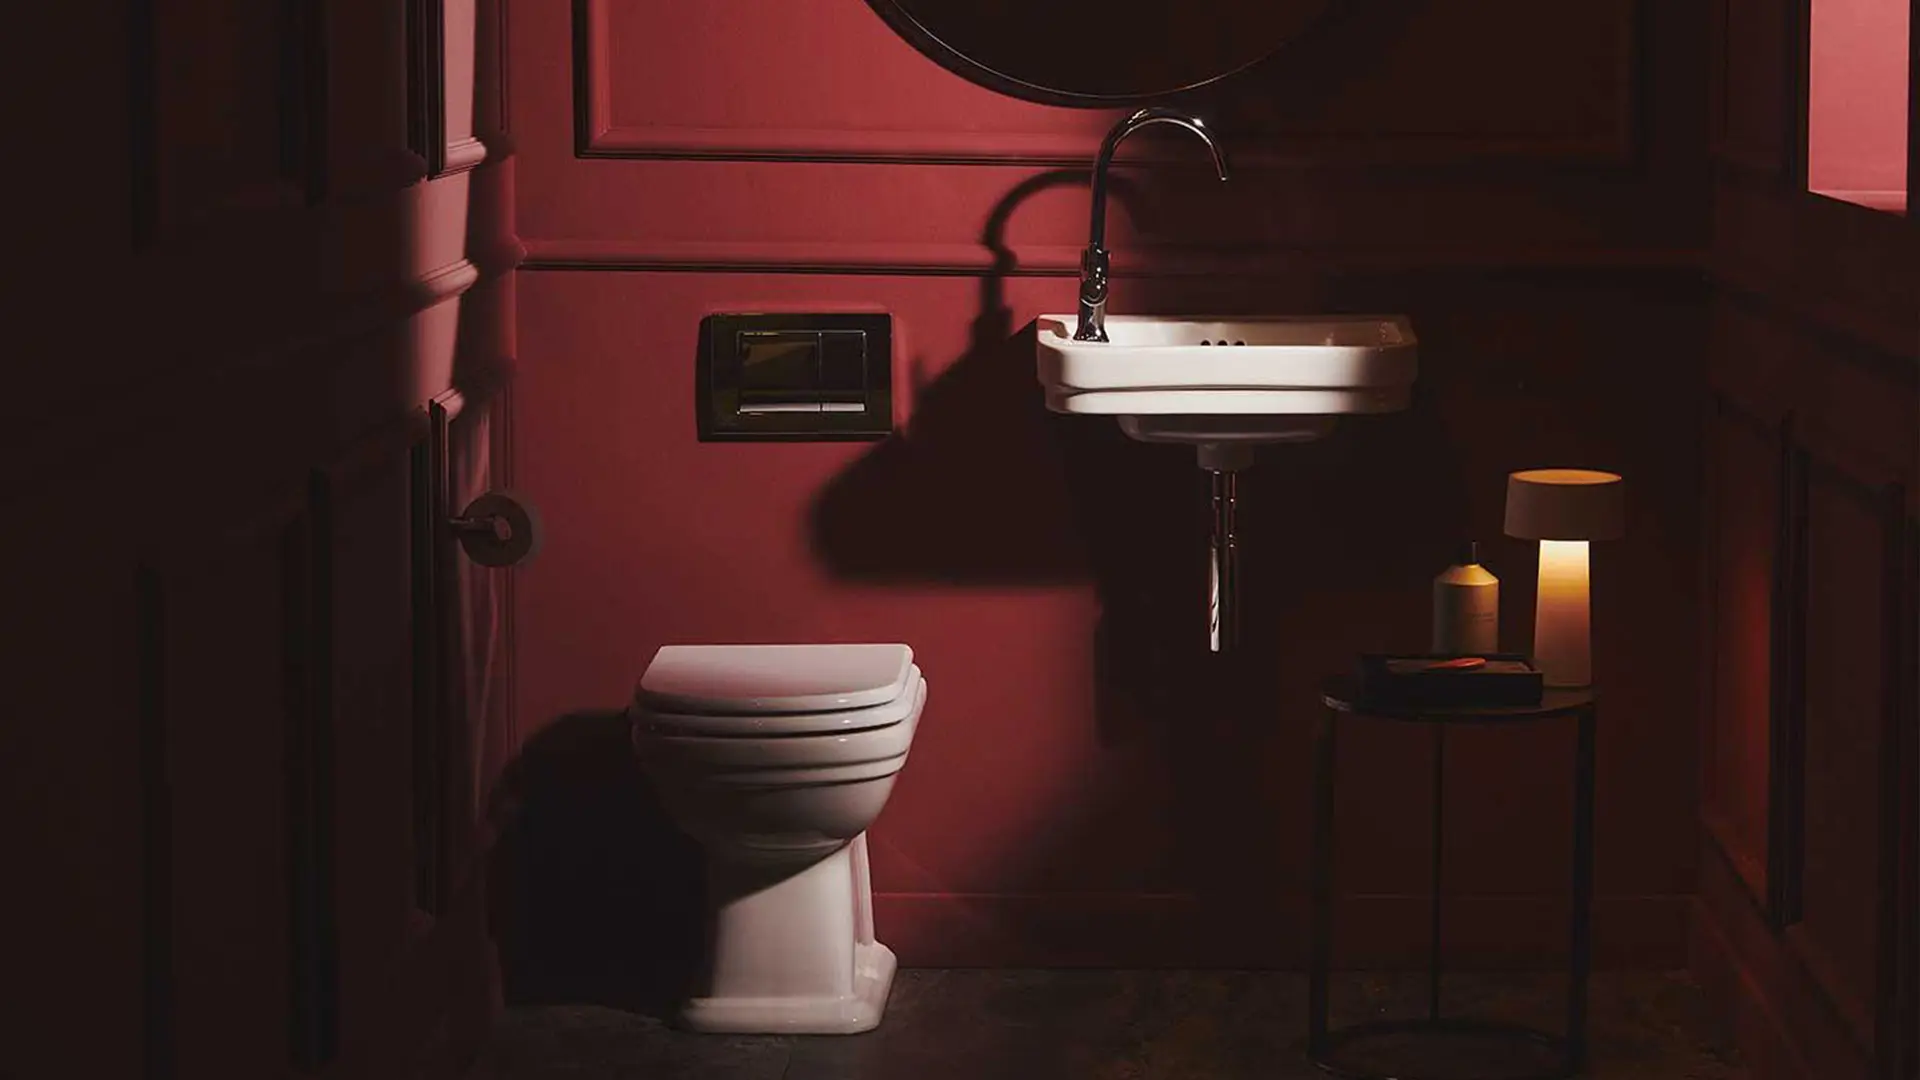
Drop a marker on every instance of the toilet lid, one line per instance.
(755, 679)
(753, 727)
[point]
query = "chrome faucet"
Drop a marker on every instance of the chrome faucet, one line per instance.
(1093, 263)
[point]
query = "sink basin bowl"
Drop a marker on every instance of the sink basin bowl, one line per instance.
(1229, 380)
(1318, 365)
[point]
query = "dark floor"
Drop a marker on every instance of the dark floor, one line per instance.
(1125, 1025)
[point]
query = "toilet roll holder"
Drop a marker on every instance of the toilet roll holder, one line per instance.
(497, 529)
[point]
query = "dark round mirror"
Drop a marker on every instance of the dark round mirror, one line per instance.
(1095, 53)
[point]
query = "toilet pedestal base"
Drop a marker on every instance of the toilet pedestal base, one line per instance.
(796, 955)
(849, 1014)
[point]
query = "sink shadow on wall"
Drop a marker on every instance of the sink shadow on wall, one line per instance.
(985, 487)
(973, 493)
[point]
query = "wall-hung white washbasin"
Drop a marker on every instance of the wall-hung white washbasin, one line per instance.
(1213, 381)
(1220, 385)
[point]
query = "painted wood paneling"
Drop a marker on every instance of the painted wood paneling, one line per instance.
(1743, 513)
(655, 81)
(1842, 822)
(245, 292)
(368, 499)
(706, 138)
(239, 650)
(1817, 317)
(229, 112)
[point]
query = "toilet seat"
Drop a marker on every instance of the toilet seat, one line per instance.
(709, 680)
(751, 725)
(784, 759)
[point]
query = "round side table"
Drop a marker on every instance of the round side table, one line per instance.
(1342, 698)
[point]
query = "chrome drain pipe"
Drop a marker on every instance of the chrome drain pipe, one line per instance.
(1223, 567)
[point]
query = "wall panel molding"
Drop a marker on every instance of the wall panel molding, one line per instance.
(1787, 702)
(1904, 1002)
(435, 599)
(441, 151)
(600, 134)
(1798, 71)
(230, 639)
(1751, 123)
(1755, 862)
(1063, 261)
(115, 420)
(427, 739)
(1854, 399)
(1839, 270)
(156, 831)
(362, 489)
(313, 933)
(165, 203)
(462, 155)
(1913, 223)
(427, 83)
(1868, 1011)
(143, 122)
(1895, 1036)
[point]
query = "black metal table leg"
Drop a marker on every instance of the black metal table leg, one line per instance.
(1439, 832)
(1580, 962)
(1567, 1051)
(1320, 949)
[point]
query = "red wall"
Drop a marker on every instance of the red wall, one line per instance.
(1089, 786)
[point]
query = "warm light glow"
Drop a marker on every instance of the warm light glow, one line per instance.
(1562, 626)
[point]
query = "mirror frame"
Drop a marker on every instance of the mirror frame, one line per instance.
(931, 46)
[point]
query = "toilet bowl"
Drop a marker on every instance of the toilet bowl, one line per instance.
(776, 758)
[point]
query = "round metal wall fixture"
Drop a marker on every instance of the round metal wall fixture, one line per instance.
(1099, 53)
(497, 529)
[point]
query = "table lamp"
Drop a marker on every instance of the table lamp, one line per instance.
(1564, 509)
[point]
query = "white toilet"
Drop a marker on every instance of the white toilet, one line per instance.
(776, 758)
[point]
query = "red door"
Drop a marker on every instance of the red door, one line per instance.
(254, 688)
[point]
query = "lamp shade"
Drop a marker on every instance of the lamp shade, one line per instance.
(1565, 504)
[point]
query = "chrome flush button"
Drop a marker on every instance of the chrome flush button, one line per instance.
(795, 377)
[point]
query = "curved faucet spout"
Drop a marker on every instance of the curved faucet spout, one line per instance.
(1097, 236)
(1094, 262)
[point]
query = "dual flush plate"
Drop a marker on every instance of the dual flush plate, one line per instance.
(795, 377)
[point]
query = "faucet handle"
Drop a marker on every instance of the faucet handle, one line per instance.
(1093, 295)
(1093, 275)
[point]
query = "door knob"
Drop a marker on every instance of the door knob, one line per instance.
(497, 529)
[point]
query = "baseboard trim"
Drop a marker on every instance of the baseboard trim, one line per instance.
(1779, 1018)
(1106, 930)
(1750, 1016)
(450, 991)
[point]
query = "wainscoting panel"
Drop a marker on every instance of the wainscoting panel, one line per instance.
(1848, 594)
(244, 653)
(810, 138)
(229, 111)
(365, 497)
(1743, 460)
(440, 77)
